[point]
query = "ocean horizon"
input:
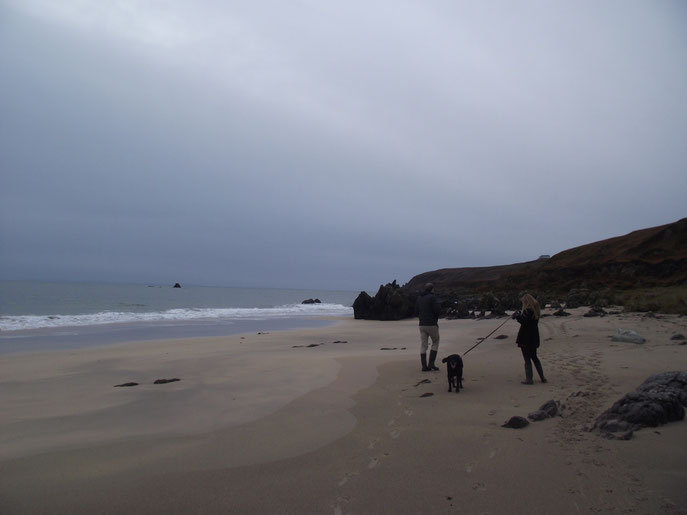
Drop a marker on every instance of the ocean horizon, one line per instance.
(38, 315)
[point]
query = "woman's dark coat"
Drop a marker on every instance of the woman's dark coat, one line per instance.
(528, 335)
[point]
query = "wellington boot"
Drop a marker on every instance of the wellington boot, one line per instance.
(528, 373)
(432, 357)
(540, 371)
(423, 360)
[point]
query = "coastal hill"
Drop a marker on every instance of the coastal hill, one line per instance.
(645, 258)
(643, 270)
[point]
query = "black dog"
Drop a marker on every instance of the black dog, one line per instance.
(454, 368)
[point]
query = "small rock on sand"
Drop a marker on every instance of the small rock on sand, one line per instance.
(626, 335)
(516, 422)
(165, 381)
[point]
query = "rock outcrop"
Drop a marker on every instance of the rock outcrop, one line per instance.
(658, 400)
(391, 302)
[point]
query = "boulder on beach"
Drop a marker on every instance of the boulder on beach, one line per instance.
(177, 285)
(595, 311)
(547, 410)
(626, 335)
(311, 301)
(658, 400)
(516, 422)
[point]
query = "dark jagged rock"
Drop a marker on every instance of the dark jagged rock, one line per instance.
(561, 313)
(658, 400)
(362, 306)
(125, 385)
(516, 422)
(674, 383)
(165, 381)
(391, 302)
(547, 410)
(595, 311)
(311, 301)
(177, 285)
(678, 337)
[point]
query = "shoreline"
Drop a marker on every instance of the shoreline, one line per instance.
(79, 337)
(333, 420)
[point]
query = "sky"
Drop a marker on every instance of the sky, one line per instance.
(331, 144)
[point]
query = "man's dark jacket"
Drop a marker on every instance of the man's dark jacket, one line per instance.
(428, 308)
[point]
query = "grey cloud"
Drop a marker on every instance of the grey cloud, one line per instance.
(332, 146)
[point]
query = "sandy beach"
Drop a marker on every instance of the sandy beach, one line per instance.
(336, 420)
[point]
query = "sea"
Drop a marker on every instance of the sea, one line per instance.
(37, 316)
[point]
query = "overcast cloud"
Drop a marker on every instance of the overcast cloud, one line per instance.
(339, 144)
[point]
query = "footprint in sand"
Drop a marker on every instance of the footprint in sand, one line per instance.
(408, 412)
(373, 463)
(337, 507)
(373, 443)
(492, 454)
(469, 467)
(345, 479)
(479, 487)
(395, 434)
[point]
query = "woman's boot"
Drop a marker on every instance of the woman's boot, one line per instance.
(528, 373)
(540, 371)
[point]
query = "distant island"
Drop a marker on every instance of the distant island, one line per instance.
(645, 270)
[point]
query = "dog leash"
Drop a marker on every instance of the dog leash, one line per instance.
(487, 336)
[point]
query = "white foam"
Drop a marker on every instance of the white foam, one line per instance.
(18, 323)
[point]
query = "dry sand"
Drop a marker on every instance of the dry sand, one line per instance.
(262, 423)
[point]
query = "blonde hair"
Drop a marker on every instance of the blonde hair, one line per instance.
(530, 302)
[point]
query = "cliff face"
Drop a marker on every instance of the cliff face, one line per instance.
(654, 257)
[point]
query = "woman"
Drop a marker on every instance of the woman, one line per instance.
(528, 336)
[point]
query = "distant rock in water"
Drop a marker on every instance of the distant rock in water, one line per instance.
(658, 400)
(177, 285)
(311, 301)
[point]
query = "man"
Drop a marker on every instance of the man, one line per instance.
(427, 309)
